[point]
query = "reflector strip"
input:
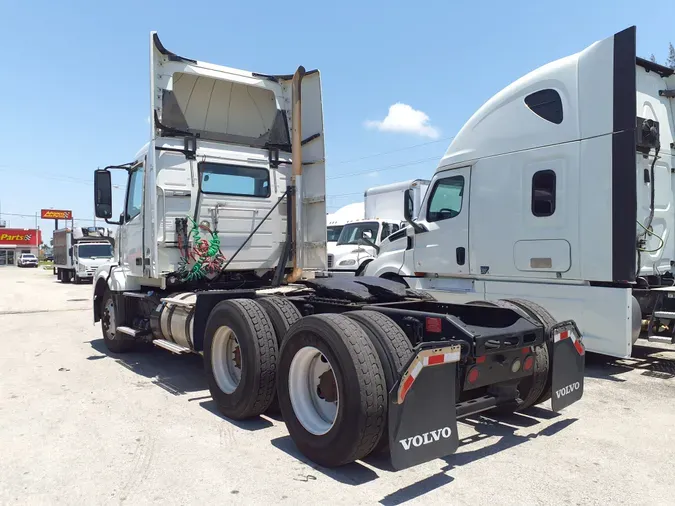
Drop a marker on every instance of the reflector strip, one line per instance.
(567, 334)
(426, 358)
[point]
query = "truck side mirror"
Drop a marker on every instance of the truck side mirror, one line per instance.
(408, 206)
(102, 194)
(409, 210)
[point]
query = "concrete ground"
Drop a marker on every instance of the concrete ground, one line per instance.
(80, 426)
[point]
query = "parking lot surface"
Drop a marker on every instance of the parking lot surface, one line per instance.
(81, 426)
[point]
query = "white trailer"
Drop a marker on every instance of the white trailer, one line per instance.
(557, 190)
(80, 251)
(221, 244)
(360, 240)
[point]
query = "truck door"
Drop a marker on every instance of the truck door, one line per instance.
(131, 232)
(443, 248)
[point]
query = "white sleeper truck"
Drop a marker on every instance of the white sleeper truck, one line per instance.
(359, 242)
(79, 251)
(220, 250)
(558, 190)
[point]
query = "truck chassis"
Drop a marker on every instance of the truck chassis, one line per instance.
(358, 365)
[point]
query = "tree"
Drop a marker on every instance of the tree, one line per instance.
(670, 61)
(652, 58)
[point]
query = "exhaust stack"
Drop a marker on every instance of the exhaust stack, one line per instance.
(296, 175)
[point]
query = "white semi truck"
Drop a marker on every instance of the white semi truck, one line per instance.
(220, 250)
(558, 190)
(80, 251)
(359, 241)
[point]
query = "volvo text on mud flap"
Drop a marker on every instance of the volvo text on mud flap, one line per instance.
(569, 357)
(422, 417)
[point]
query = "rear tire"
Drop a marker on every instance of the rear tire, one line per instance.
(335, 344)
(393, 349)
(537, 388)
(282, 314)
(240, 358)
(114, 342)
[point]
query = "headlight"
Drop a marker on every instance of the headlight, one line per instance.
(351, 261)
(81, 267)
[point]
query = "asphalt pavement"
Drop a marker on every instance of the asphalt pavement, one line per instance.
(79, 425)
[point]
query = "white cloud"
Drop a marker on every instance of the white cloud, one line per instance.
(403, 118)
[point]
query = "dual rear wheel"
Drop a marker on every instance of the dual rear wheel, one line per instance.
(332, 373)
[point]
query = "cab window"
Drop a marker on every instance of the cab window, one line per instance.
(135, 193)
(386, 230)
(446, 198)
(234, 180)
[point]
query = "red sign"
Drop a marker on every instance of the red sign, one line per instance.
(20, 237)
(56, 214)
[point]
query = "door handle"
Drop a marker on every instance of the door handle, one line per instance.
(461, 255)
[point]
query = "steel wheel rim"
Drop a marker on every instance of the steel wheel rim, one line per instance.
(225, 354)
(109, 319)
(309, 370)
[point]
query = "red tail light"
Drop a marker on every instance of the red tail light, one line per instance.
(529, 363)
(472, 377)
(433, 324)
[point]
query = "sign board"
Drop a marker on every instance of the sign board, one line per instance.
(20, 237)
(56, 214)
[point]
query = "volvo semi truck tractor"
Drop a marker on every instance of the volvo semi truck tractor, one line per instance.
(221, 251)
(558, 190)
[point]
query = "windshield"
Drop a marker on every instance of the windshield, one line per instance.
(29, 257)
(354, 231)
(333, 233)
(95, 250)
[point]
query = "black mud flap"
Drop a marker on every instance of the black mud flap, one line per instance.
(569, 356)
(422, 414)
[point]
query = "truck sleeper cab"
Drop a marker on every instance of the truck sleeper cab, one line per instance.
(220, 251)
(557, 190)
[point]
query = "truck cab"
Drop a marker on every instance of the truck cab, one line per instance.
(361, 240)
(358, 244)
(89, 256)
(337, 220)
(209, 194)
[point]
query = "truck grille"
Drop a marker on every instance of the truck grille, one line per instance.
(330, 261)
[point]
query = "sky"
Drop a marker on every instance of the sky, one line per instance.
(399, 78)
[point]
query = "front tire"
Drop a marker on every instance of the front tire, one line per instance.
(331, 388)
(240, 358)
(114, 342)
